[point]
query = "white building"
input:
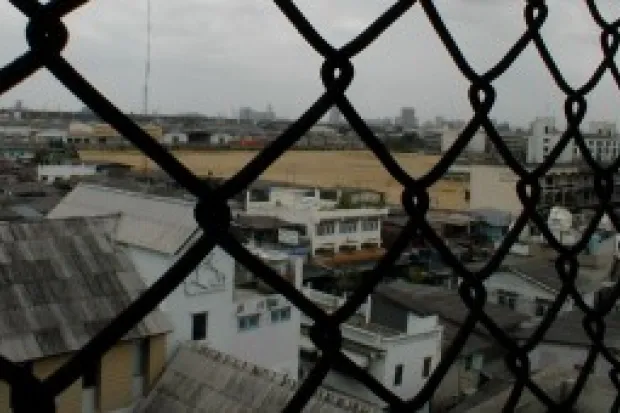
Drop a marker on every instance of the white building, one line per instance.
(544, 137)
(52, 135)
(401, 361)
(477, 144)
(50, 173)
(175, 138)
(334, 219)
(604, 148)
(529, 285)
(257, 326)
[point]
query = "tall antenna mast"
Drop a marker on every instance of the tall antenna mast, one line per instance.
(147, 64)
(147, 73)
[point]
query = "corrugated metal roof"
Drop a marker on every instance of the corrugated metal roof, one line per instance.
(199, 379)
(61, 281)
(147, 221)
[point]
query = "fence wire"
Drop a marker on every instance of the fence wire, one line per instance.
(47, 36)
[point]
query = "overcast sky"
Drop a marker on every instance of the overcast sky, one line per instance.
(213, 56)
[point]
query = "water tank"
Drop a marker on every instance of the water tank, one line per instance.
(560, 219)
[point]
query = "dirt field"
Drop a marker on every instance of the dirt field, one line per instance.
(322, 168)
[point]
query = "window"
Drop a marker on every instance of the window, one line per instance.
(545, 149)
(542, 306)
(91, 387)
(281, 314)
(398, 375)
(325, 228)
(469, 361)
(347, 227)
(467, 195)
(507, 299)
(370, 224)
(199, 326)
(545, 140)
(426, 369)
(248, 322)
(259, 195)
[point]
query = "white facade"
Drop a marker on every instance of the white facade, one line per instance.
(220, 139)
(402, 362)
(477, 144)
(524, 296)
(602, 148)
(328, 227)
(543, 139)
(175, 138)
(52, 135)
(49, 173)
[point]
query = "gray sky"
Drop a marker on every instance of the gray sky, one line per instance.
(212, 56)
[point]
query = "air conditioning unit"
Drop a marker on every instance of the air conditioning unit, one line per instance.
(240, 308)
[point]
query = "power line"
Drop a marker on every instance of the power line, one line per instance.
(147, 63)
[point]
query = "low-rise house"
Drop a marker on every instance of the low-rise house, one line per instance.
(400, 359)
(202, 380)
(393, 306)
(61, 282)
(529, 284)
(250, 323)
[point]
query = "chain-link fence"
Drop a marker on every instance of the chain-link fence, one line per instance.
(47, 37)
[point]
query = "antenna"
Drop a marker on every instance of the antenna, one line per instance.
(147, 71)
(147, 63)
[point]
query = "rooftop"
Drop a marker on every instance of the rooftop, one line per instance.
(61, 281)
(199, 379)
(156, 223)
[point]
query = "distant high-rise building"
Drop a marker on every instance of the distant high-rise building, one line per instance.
(246, 114)
(334, 116)
(407, 118)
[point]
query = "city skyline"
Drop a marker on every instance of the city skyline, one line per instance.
(211, 66)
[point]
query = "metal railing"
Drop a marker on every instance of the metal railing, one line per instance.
(47, 36)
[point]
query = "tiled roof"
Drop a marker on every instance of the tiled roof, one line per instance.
(61, 281)
(199, 379)
(151, 222)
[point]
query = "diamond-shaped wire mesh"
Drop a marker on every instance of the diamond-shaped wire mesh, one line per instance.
(47, 37)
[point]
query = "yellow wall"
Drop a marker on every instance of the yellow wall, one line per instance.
(69, 401)
(157, 358)
(117, 377)
(449, 195)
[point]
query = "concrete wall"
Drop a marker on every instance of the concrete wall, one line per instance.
(477, 143)
(497, 180)
(186, 299)
(274, 344)
(386, 313)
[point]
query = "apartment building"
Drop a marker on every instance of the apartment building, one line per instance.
(62, 282)
(250, 323)
(331, 220)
